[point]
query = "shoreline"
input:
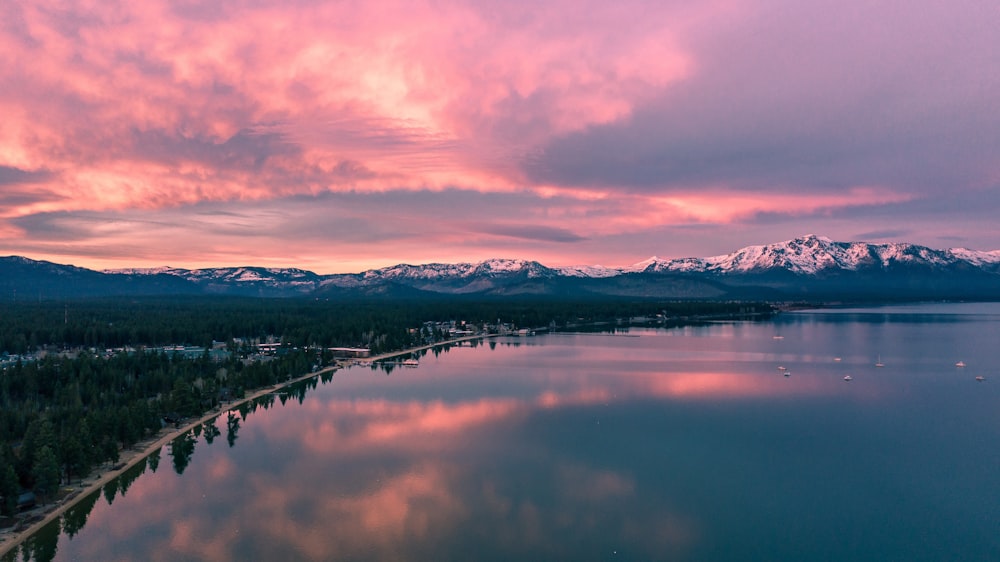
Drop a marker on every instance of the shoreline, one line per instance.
(10, 539)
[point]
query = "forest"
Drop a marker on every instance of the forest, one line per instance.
(84, 379)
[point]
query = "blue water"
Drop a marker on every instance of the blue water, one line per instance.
(680, 444)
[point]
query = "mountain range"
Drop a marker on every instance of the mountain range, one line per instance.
(807, 268)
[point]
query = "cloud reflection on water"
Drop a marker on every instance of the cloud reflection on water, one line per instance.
(395, 478)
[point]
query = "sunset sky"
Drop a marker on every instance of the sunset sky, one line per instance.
(343, 136)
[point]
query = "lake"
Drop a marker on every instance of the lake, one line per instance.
(723, 441)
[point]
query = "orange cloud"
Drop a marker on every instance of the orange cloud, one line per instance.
(443, 98)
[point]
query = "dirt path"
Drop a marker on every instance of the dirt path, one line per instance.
(11, 539)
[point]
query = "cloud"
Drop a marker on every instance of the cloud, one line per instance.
(807, 98)
(587, 128)
(10, 175)
(157, 89)
(352, 232)
(885, 234)
(246, 150)
(531, 232)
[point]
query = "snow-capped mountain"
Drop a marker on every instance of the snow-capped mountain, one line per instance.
(808, 255)
(249, 281)
(808, 267)
(497, 275)
(437, 271)
(811, 255)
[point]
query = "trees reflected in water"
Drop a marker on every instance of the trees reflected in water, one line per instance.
(210, 430)
(43, 545)
(232, 428)
(181, 450)
(76, 516)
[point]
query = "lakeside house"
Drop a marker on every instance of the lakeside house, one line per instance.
(351, 352)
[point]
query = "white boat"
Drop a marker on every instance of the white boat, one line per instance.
(782, 368)
(787, 374)
(777, 337)
(411, 363)
(980, 378)
(878, 362)
(837, 359)
(847, 377)
(960, 364)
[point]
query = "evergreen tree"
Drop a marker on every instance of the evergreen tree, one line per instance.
(9, 487)
(38, 436)
(182, 397)
(73, 459)
(45, 472)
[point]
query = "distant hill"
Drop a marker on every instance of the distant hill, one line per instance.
(25, 279)
(810, 267)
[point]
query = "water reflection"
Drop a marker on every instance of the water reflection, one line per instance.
(686, 444)
(210, 430)
(181, 449)
(154, 460)
(232, 427)
(76, 517)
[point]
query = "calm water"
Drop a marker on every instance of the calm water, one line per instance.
(682, 444)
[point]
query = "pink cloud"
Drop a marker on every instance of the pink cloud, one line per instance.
(602, 120)
(725, 206)
(459, 82)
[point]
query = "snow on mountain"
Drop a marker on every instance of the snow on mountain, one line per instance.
(140, 270)
(651, 265)
(248, 274)
(441, 271)
(238, 280)
(809, 255)
(437, 270)
(976, 257)
(591, 271)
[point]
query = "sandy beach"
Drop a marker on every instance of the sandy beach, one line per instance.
(11, 539)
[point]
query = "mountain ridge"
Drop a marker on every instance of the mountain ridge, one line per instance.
(808, 266)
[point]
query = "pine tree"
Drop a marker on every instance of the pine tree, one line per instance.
(9, 487)
(46, 472)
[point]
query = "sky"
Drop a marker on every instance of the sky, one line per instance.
(344, 136)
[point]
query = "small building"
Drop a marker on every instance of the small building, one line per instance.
(25, 500)
(353, 352)
(268, 348)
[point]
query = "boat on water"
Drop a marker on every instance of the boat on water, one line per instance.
(787, 374)
(848, 378)
(411, 363)
(777, 337)
(960, 364)
(782, 368)
(878, 362)
(980, 378)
